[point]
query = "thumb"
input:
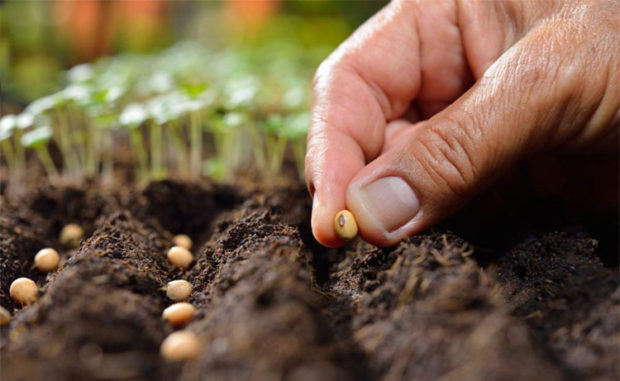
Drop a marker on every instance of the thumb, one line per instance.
(533, 98)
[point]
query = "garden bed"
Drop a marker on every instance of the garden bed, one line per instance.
(511, 302)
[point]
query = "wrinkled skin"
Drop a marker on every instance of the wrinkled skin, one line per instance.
(448, 96)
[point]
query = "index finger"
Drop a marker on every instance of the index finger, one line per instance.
(370, 79)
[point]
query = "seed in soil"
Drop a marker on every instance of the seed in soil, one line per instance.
(183, 241)
(23, 291)
(180, 345)
(179, 313)
(345, 225)
(71, 235)
(46, 260)
(178, 290)
(180, 257)
(5, 316)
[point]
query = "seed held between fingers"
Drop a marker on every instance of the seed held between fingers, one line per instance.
(179, 314)
(71, 235)
(180, 257)
(183, 241)
(46, 260)
(24, 291)
(345, 225)
(5, 316)
(178, 290)
(180, 345)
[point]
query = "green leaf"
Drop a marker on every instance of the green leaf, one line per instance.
(133, 115)
(296, 125)
(8, 124)
(37, 137)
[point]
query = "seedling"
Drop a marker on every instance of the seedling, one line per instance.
(179, 314)
(5, 316)
(180, 346)
(132, 117)
(180, 257)
(37, 139)
(345, 225)
(183, 241)
(178, 290)
(24, 291)
(8, 124)
(46, 260)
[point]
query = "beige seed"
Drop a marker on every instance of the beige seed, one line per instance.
(183, 241)
(179, 313)
(46, 260)
(180, 345)
(345, 225)
(71, 235)
(24, 291)
(5, 316)
(180, 257)
(178, 290)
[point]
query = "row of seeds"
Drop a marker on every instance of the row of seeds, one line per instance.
(180, 345)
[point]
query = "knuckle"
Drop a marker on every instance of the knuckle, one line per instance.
(448, 156)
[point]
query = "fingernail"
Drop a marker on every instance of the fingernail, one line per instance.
(390, 201)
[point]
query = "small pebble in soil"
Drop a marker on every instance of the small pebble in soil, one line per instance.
(179, 313)
(5, 316)
(71, 235)
(180, 257)
(46, 260)
(178, 290)
(183, 241)
(345, 225)
(24, 291)
(180, 345)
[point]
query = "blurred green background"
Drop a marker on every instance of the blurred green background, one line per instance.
(41, 38)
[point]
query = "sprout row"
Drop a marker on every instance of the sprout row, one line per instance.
(186, 111)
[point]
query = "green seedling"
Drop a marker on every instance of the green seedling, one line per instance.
(232, 147)
(8, 124)
(275, 145)
(133, 116)
(37, 139)
(296, 129)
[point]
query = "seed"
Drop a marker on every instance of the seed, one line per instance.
(183, 241)
(180, 345)
(46, 260)
(345, 225)
(179, 313)
(5, 316)
(180, 257)
(71, 235)
(179, 290)
(23, 291)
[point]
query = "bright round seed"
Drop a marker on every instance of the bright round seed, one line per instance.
(46, 260)
(71, 235)
(179, 313)
(345, 225)
(180, 257)
(178, 290)
(24, 291)
(5, 316)
(180, 345)
(183, 241)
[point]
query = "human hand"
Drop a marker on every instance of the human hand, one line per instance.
(430, 101)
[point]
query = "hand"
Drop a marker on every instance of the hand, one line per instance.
(430, 101)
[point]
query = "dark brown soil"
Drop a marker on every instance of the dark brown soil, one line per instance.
(514, 301)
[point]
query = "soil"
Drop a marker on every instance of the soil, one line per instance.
(515, 300)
